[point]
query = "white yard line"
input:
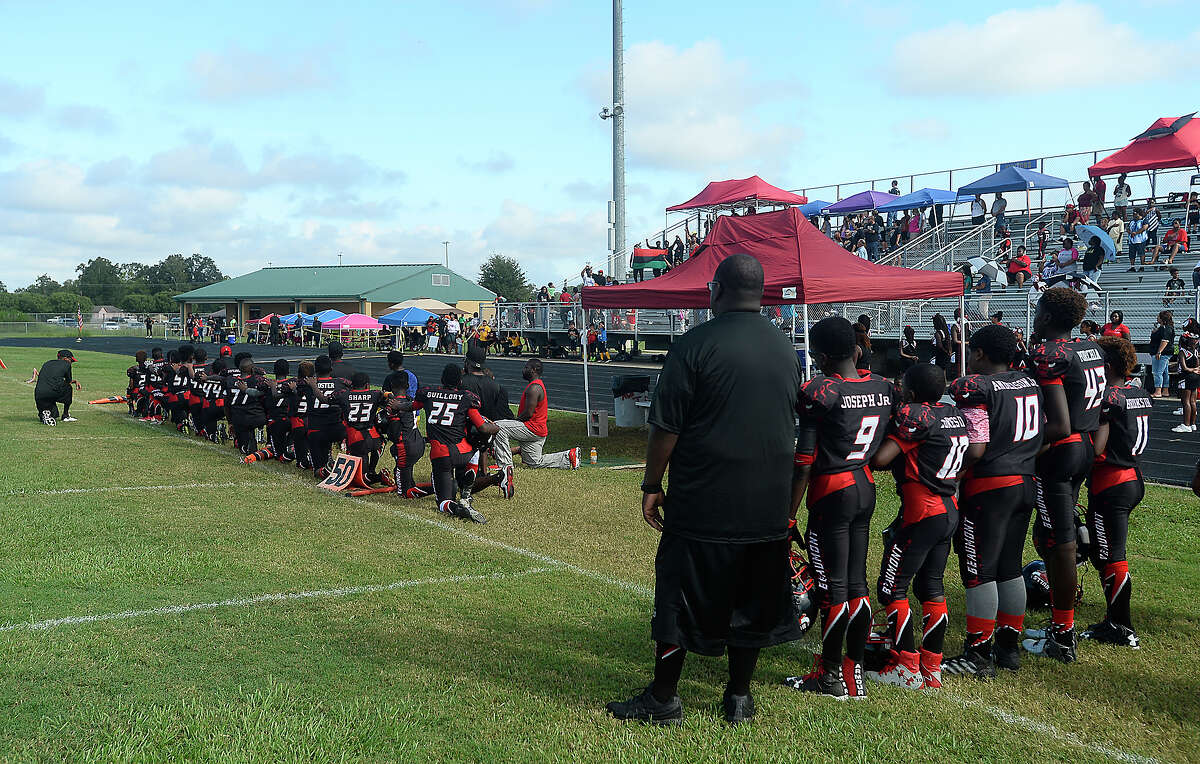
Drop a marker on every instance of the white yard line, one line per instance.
(105, 489)
(1008, 717)
(262, 599)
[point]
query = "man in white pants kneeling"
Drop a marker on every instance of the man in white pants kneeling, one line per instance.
(529, 429)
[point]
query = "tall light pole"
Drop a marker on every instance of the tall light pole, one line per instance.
(446, 244)
(618, 155)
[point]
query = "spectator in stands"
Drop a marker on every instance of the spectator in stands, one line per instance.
(1100, 191)
(1043, 238)
(826, 226)
(552, 292)
(1162, 347)
(1071, 218)
(1116, 326)
(860, 249)
(1093, 258)
(915, 222)
(453, 332)
(895, 236)
(999, 207)
(1085, 201)
(1088, 330)
(872, 235)
(1022, 353)
(1174, 242)
(908, 350)
(678, 250)
(1175, 285)
(564, 312)
(1193, 210)
(1152, 223)
(978, 211)
(572, 338)
(941, 342)
(958, 339)
(1067, 259)
(1018, 268)
(601, 279)
(1196, 275)
(1121, 195)
(1115, 226)
(1137, 240)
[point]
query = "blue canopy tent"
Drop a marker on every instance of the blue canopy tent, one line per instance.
(925, 197)
(325, 316)
(290, 319)
(1013, 179)
(407, 317)
(813, 208)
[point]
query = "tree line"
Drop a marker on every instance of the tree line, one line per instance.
(134, 287)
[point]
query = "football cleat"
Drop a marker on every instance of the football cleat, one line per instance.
(68, 419)
(738, 708)
(48, 419)
(1112, 634)
(931, 670)
(1006, 653)
(1058, 644)
(573, 457)
(976, 661)
(508, 485)
(385, 477)
(821, 681)
(644, 707)
(902, 670)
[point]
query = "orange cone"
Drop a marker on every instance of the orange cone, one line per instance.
(2, 366)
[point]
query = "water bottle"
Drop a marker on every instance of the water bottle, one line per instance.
(592, 456)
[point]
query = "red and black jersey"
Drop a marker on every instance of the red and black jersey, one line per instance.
(933, 438)
(179, 381)
(1013, 403)
(1077, 365)
(328, 412)
(842, 421)
(279, 400)
(213, 389)
(359, 407)
(154, 374)
(447, 412)
(137, 376)
(246, 402)
(1126, 409)
(297, 404)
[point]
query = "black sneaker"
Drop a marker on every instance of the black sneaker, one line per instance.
(1058, 644)
(821, 681)
(738, 708)
(976, 661)
(644, 707)
(464, 511)
(1112, 634)
(1006, 653)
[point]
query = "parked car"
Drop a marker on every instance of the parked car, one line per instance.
(111, 326)
(62, 320)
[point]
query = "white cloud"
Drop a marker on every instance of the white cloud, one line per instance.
(925, 130)
(495, 163)
(87, 118)
(18, 100)
(692, 108)
(1027, 51)
(236, 74)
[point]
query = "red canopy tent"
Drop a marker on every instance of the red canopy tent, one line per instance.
(1169, 142)
(794, 255)
(730, 192)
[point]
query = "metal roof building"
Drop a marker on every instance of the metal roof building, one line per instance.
(368, 289)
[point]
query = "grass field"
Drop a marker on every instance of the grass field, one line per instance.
(159, 600)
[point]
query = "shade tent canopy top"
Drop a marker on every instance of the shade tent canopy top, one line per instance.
(813, 208)
(725, 193)
(352, 321)
(326, 316)
(863, 200)
(407, 317)
(794, 255)
(264, 320)
(1013, 179)
(290, 318)
(430, 304)
(217, 314)
(1169, 142)
(925, 197)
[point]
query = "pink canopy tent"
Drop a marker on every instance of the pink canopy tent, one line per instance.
(794, 255)
(353, 321)
(730, 192)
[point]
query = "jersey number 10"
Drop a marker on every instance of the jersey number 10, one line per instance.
(1029, 419)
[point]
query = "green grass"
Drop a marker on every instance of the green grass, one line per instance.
(514, 664)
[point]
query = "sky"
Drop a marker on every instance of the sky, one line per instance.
(284, 133)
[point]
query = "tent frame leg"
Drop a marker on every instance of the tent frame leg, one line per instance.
(962, 333)
(807, 346)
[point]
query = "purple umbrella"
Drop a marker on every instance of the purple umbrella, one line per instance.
(865, 200)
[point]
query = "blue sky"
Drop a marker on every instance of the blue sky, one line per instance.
(285, 133)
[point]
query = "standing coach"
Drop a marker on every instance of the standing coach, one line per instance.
(723, 419)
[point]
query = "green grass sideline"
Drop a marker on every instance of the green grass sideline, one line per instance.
(513, 664)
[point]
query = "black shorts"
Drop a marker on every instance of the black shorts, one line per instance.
(1060, 474)
(916, 553)
(709, 595)
(1108, 520)
(1191, 381)
(990, 539)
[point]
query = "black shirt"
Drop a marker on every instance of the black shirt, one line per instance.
(493, 400)
(1126, 409)
(1077, 365)
(54, 379)
(728, 390)
(343, 370)
(1163, 332)
(1013, 402)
